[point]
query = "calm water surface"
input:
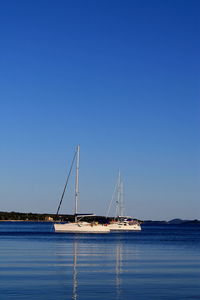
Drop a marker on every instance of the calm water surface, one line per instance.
(161, 262)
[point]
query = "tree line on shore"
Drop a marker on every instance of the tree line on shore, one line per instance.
(18, 216)
(38, 217)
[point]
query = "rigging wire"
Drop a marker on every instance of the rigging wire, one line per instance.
(63, 193)
(111, 202)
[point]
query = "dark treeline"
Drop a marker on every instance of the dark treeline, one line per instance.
(17, 216)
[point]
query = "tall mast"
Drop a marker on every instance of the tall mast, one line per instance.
(118, 194)
(120, 204)
(122, 199)
(77, 181)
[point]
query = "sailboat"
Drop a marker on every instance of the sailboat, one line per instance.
(78, 226)
(122, 223)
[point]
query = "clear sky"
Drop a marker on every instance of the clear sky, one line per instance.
(120, 78)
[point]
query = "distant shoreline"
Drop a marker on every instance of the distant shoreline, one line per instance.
(39, 217)
(25, 221)
(148, 223)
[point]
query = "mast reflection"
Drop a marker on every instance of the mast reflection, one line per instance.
(75, 273)
(118, 270)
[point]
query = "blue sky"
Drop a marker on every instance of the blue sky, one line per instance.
(120, 78)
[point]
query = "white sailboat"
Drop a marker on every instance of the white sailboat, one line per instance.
(79, 226)
(122, 223)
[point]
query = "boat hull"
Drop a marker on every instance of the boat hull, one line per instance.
(122, 227)
(81, 228)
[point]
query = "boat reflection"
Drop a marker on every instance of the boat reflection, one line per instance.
(114, 270)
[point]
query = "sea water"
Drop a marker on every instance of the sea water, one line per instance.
(160, 262)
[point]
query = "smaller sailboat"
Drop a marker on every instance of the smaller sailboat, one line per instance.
(78, 226)
(122, 223)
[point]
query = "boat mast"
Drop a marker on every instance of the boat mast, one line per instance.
(119, 202)
(121, 199)
(118, 195)
(77, 181)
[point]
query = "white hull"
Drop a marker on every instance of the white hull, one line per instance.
(81, 227)
(124, 227)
